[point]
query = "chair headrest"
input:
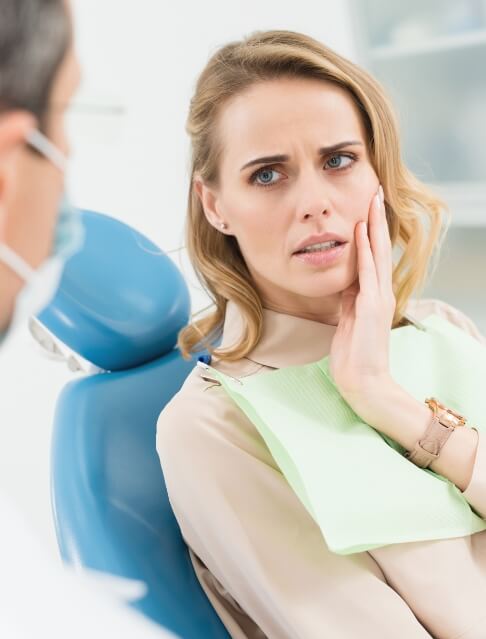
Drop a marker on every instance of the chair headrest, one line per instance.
(121, 301)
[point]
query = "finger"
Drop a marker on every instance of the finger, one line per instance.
(380, 243)
(386, 231)
(376, 233)
(368, 282)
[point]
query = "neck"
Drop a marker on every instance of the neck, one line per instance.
(322, 316)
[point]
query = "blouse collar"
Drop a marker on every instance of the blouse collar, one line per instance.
(286, 340)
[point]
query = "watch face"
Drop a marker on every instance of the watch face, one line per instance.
(449, 420)
(446, 414)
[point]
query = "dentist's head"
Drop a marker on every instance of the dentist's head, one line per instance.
(39, 74)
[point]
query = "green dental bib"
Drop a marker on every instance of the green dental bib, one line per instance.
(354, 480)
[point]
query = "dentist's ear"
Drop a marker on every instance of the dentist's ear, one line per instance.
(208, 202)
(3, 223)
(14, 127)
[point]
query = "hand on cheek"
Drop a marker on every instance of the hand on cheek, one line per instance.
(359, 355)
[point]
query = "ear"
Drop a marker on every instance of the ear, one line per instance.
(14, 126)
(209, 202)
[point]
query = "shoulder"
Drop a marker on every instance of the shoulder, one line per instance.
(422, 308)
(201, 418)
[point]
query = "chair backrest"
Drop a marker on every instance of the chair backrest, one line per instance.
(110, 504)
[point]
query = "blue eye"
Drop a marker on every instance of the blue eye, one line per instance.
(267, 170)
(265, 175)
(339, 157)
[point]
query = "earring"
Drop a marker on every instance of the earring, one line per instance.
(223, 225)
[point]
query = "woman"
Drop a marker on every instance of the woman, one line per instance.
(270, 118)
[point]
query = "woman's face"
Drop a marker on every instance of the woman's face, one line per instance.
(271, 207)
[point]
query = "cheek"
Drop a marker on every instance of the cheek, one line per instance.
(358, 199)
(258, 242)
(256, 227)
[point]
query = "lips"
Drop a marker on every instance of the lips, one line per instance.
(318, 239)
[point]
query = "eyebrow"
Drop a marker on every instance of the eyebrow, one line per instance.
(284, 158)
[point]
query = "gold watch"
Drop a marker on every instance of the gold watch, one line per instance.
(444, 421)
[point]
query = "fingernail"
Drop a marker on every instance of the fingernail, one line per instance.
(377, 201)
(382, 195)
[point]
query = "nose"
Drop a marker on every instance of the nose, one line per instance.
(313, 196)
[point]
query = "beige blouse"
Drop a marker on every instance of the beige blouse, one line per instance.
(259, 555)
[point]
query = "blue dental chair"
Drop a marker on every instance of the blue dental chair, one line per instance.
(119, 307)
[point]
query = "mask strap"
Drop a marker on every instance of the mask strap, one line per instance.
(16, 263)
(39, 141)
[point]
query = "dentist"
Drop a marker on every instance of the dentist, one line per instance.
(39, 231)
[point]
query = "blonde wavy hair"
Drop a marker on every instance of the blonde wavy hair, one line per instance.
(216, 257)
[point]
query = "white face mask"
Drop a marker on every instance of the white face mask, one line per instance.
(42, 283)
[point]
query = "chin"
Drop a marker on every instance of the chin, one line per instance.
(318, 285)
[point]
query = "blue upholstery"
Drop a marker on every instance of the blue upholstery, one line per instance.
(121, 301)
(120, 305)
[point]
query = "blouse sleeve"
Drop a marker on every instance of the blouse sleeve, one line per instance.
(475, 492)
(241, 518)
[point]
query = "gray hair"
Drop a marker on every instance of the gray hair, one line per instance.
(34, 38)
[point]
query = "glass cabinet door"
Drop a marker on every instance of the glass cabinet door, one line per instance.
(431, 58)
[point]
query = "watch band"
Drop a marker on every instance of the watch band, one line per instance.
(444, 420)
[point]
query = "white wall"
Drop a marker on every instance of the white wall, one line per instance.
(143, 58)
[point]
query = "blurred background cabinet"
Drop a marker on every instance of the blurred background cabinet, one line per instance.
(431, 58)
